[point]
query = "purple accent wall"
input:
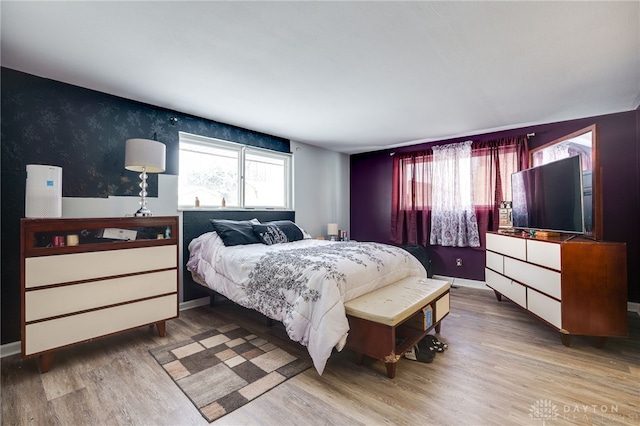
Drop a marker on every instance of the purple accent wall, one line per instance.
(619, 139)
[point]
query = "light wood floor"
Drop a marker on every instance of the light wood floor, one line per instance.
(501, 364)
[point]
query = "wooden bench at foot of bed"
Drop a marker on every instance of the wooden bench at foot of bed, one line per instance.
(387, 322)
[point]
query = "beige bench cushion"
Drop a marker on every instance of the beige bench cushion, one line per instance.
(396, 302)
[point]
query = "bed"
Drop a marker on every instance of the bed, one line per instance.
(290, 277)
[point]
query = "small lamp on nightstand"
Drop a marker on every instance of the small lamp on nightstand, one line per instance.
(145, 156)
(332, 231)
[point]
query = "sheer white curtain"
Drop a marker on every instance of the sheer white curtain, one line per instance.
(453, 219)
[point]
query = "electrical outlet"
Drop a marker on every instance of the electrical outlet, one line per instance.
(458, 262)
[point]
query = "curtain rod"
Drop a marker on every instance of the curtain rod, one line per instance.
(529, 135)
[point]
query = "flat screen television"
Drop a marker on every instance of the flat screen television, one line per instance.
(549, 197)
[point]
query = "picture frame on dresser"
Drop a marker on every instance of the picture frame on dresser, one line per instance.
(101, 284)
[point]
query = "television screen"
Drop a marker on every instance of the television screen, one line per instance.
(549, 197)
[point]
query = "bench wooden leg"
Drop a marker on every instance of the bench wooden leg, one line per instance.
(391, 369)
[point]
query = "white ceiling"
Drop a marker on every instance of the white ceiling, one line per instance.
(349, 76)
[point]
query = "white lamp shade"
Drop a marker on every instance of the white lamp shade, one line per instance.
(332, 229)
(145, 153)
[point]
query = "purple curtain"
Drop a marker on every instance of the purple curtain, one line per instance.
(411, 198)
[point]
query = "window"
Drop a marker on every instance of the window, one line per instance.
(491, 181)
(480, 177)
(245, 177)
(485, 180)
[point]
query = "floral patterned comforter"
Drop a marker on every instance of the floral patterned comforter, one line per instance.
(303, 284)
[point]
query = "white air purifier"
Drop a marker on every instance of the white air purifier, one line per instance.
(43, 196)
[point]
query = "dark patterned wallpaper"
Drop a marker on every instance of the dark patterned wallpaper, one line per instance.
(84, 132)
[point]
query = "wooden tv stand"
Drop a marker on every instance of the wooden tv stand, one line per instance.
(576, 285)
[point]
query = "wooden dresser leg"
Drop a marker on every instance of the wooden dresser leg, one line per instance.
(45, 362)
(498, 296)
(391, 369)
(162, 328)
(438, 326)
(565, 339)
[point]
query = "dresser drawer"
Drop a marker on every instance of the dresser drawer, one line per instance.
(545, 307)
(47, 270)
(442, 307)
(543, 253)
(46, 335)
(55, 301)
(515, 292)
(542, 279)
(495, 261)
(509, 246)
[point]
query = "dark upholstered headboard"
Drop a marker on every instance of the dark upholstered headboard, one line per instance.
(196, 223)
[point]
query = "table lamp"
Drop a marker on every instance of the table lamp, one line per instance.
(145, 156)
(332, 231)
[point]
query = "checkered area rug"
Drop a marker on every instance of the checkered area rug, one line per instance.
(223, 369)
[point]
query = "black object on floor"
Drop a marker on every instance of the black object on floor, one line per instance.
(417, 354)
(430, 342)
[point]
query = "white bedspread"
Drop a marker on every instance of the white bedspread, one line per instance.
(303, 284)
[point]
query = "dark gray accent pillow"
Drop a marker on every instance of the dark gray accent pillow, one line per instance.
(278, 231)
(235, 232)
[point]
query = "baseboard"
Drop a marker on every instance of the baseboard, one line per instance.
(463, 282)
(14, 348)
(9, 349)
(190, 304)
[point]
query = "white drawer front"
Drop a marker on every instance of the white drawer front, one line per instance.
(545, 280)
(49, 302)
(85, 266)
(543, 253)
(510, 246)
(545, 307)
(46, 335)
(442, 307)
(515, 292)
(495, 261)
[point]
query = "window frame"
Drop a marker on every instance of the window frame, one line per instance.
(242, 152)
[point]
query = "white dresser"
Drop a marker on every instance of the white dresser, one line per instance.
(87, 278)
(578, 286)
